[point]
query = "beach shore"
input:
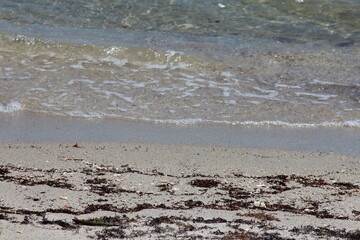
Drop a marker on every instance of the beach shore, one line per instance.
(133, 190)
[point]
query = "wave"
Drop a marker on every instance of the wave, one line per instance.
(251, 87)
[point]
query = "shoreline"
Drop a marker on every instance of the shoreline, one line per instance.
(118, 190)
(28, 127)
(110, 179)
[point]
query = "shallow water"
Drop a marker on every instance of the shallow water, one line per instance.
(225, 62)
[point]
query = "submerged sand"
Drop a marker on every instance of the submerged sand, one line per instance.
(174, 191)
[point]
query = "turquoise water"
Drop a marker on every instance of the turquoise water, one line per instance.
(290, 62)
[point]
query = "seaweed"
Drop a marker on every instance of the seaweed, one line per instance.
(4, 217)
(61, 223)
(326, 232)
(93, 222)
(165, 187)
(227, 197)
(213, 220)
(57, 183)
(247, 235)
(160, 220)
(204, 183)
(4, 170)
(238, 193)
(111, 233)
(96, 181)
(259, 215)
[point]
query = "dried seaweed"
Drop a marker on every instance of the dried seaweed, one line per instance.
(63, 224)
(205, 183)
(326, 232)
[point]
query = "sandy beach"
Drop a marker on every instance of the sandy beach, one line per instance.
(132, 190)
(179, 120)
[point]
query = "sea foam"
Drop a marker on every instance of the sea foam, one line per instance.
(11, 107)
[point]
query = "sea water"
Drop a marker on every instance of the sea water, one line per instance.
(248, 62)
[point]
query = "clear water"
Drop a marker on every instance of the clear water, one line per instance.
(248, 62)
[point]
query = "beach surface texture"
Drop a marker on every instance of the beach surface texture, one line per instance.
(120, 190)
(179, 119)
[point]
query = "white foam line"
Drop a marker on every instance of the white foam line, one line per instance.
(319, 96)
(285, 85)
(326, 82)
(38, 89)
(118, 62)
(72, 81)
(11, 107)
(192, 121)
(156, 66)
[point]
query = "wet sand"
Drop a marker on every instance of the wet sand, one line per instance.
(28, 127)
(134, 190)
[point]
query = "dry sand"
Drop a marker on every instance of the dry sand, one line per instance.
(159, 191)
